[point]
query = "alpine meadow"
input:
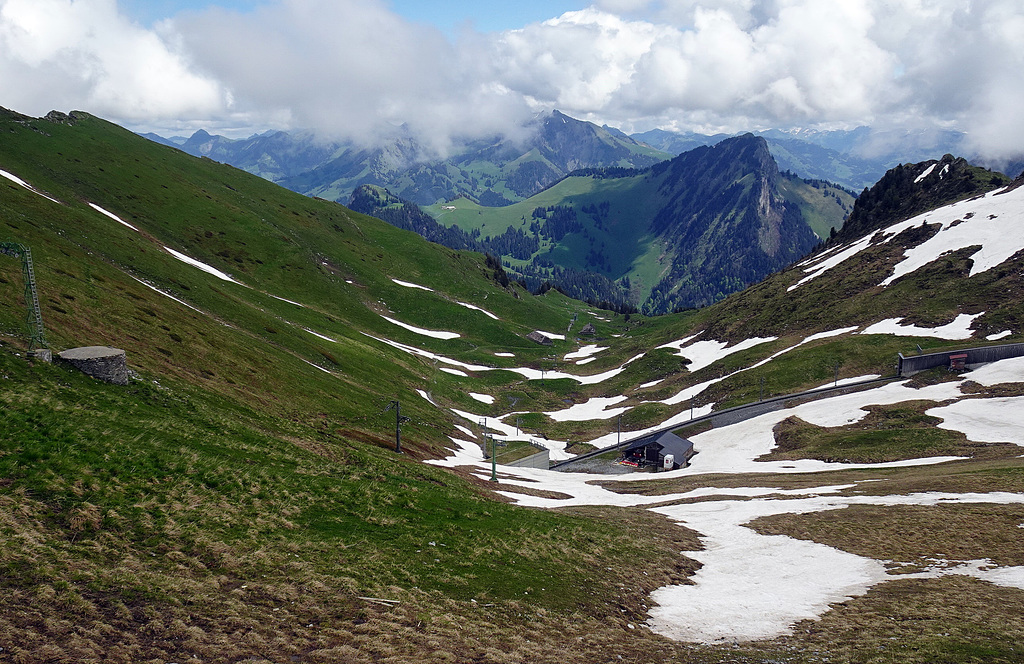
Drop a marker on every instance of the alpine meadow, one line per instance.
(324, 338)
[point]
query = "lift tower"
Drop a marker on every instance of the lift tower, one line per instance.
(37, 336)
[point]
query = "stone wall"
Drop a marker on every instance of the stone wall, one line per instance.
(103, 362)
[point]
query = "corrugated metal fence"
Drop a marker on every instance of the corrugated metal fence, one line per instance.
(908, 366)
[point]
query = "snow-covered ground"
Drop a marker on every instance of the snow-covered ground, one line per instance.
(960, 328)
(584, 353)
(991, 222)
(704, 353)
(752, 586)
(592, 409)
(476, 308)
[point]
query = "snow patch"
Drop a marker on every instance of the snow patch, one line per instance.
(991, 221)
(958, 329)
(1010, 370)
(754, 587)
(15, 179)
(113, 216)
(999, 420)
(436, 334)
(704, 353)
(485, 398)
(476, 308)
(202, 266)
(551, 335)
(154, 288)
(999, 335)
(586, 351)
(591, 409)
(455, 372)
(926, 173)
(284, 299)
(317, 334)
(409, 284)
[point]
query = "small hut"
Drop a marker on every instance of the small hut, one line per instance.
(540, 338)
(665, 450)
(588, 330)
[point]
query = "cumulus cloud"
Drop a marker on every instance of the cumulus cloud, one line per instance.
(354, 68)
(83, 54)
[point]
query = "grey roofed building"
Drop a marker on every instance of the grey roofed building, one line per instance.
(589, 330)
(651, 451)
(539, 338)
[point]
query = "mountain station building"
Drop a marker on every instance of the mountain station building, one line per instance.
(664, 451)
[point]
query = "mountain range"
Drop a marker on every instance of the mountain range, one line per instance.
(499, 171)
(243, 499)
(680, 234)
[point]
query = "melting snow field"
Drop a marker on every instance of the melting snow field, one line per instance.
(991, 222)
(704, 353)
(752, 586)
(960, 328)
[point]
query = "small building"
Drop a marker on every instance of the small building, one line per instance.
(958, 362)
(588, 330)
(540, 338)
(662, 451)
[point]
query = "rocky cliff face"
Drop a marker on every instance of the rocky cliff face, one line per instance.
(727, 223)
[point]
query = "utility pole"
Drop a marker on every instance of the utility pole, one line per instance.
(398, 423)
(494, 461)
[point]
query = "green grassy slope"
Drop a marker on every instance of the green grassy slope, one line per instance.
(234, 489)
(236, 503)
(243, 340)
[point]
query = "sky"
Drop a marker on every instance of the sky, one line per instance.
(359, 69)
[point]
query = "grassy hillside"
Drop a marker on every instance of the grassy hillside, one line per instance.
(234, 488)
(333, 269)
(240, 500)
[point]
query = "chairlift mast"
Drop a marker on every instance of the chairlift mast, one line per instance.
(34, 321)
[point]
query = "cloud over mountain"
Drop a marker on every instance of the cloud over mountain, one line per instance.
(357, 69)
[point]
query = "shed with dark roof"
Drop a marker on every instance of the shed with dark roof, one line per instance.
(665, 450)
(539, 338)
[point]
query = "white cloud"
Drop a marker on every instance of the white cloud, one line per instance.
(355, 68)
(350, 68)
(83, 54)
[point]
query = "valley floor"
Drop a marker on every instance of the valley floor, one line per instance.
(759, 582)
